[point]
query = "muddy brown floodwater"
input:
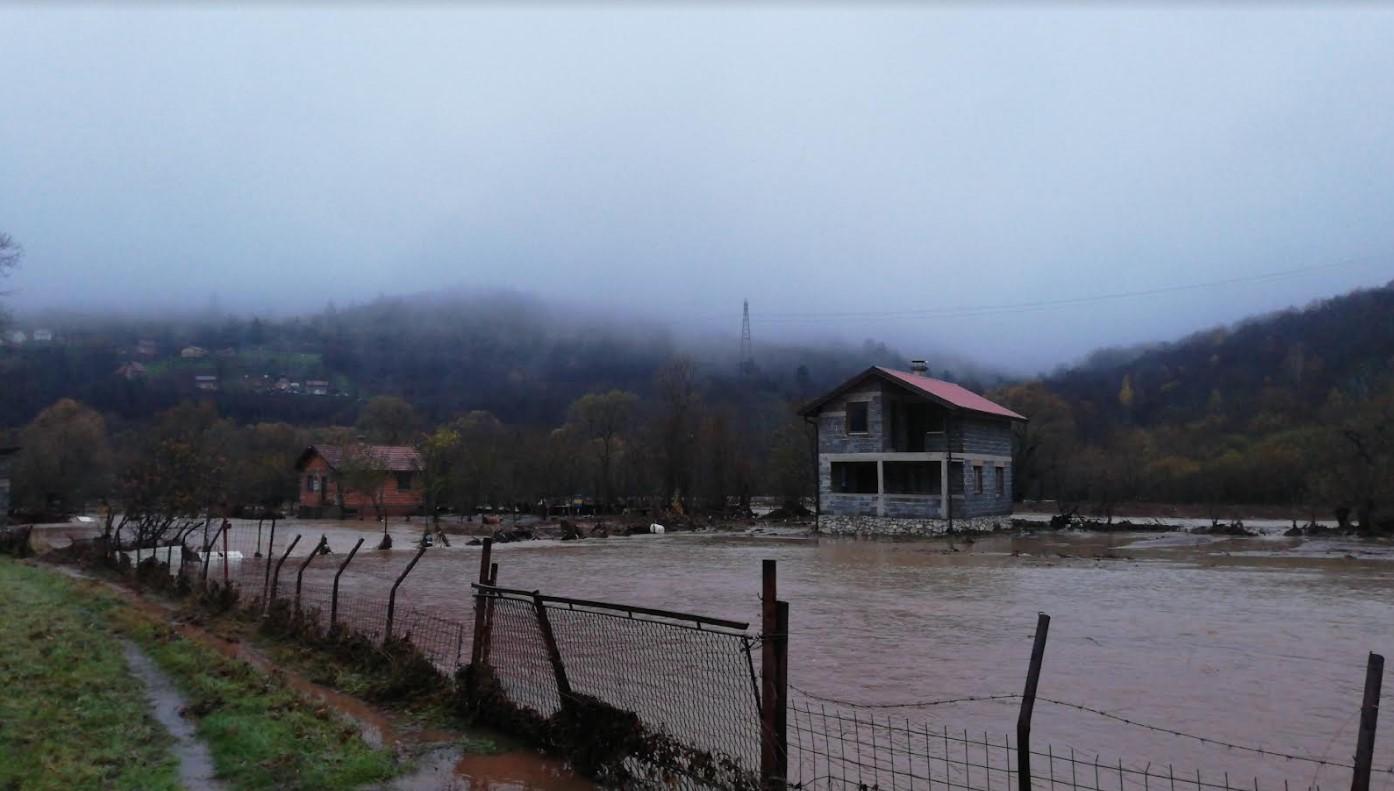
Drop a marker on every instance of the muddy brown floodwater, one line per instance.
(1256, 641)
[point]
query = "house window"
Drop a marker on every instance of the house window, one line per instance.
(311, 483)
(854, 477)
(912, 477)
(1001, 482)
(403, 481)
(977, 479)
(857, 421)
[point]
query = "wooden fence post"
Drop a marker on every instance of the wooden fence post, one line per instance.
(477, 639)
(276, 577)
(1369, 716)
(334, 596)
(1028, 704)
(392, 597)
(769, 678)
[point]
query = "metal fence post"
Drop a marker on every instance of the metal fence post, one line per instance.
(392, 597)
(270, 553)
(207, 554)
(1369, 716)
(276, 577)
(1028, 704)
(334, 597)
(769, 677)
(300, 574)
(488, 642)
(549, 639)
(781, 701)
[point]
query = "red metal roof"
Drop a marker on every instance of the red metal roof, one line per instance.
(393, 458)
(960, 397)
(947, 393)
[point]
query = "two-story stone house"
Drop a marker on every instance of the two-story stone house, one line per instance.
(900, 453)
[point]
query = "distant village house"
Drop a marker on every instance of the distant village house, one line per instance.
(317, 387)
(328, 473)
(206, 382)
(193, 352)
(900, 453)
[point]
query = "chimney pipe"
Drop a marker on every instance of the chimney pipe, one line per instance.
(919, 367)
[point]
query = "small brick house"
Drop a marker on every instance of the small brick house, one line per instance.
(900, 453)
(394, 473)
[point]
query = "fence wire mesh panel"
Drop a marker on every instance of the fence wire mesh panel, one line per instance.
(673, 701)
(677, 678)
(837, 747)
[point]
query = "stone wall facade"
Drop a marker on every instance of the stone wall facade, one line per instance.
(888, 526)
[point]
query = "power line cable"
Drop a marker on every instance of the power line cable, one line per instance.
(1037, 305)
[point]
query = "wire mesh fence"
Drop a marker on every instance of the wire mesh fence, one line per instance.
(836, 747)
(641, 697)
(638, 697)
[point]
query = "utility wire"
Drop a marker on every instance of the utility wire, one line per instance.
(1036, 305)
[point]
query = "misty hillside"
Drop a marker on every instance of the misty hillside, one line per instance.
(1275, 367)
(522, 358)
(1270, 409)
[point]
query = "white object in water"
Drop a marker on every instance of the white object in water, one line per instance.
(86, 519)
(233, 555)
(657, 528)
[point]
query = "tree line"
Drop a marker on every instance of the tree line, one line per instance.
(690, 448)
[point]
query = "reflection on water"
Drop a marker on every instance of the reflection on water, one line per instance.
(1258, 641)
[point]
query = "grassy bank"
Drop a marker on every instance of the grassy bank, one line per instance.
(261, 733)
(74, 710)
(70, 716)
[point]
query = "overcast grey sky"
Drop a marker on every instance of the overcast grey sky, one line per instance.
(675, 159)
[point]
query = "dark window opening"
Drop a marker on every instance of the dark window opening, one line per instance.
(310, 482)
(857, 417)
(911, 423)
(977, 479)
(854, 477)
(912, 477)
(1001, 482)
(403, 481)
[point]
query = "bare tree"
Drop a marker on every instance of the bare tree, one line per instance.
(10, 254)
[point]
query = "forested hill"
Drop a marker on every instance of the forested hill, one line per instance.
(523, 359)
(1267, 410)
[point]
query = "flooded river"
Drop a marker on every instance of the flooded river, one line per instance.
(1255, 641)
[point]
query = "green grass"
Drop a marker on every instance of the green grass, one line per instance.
(260, 732)
(71, 716)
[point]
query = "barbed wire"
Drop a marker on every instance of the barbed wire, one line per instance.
(912, 705)
(1202, 739)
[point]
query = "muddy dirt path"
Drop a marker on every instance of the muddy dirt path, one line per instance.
(196, 769)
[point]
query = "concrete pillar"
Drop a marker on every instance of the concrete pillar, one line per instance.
(943, 488)
(880, 487)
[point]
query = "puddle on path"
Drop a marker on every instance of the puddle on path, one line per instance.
(196, 769)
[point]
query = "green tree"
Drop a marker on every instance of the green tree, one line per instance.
(603, 418)
(65, 459)
(388, 420)
(440, 453)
